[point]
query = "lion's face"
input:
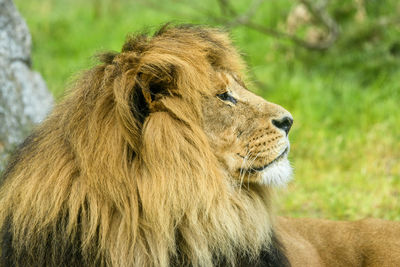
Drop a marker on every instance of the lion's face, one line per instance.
(249, 135)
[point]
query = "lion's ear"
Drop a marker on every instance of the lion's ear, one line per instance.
(138, 93)
(156, 82)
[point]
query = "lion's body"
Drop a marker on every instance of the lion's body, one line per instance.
(316, 242)
(143, 165)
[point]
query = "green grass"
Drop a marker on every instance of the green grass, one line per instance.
(345, 101)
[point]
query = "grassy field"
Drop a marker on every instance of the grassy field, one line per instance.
(345, 101)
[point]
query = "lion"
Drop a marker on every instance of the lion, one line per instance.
(161, 156)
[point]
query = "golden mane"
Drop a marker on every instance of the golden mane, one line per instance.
(122, 173)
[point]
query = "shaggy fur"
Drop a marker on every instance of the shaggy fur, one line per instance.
(122, 173)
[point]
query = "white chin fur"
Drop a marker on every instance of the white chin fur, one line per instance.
(277, 174)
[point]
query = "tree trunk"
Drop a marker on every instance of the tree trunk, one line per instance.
(24, 98)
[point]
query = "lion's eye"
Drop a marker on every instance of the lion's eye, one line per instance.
(227, 97)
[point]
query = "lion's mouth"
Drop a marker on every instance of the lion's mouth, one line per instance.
(262, 168)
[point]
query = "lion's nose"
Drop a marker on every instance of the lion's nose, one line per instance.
(284, 123)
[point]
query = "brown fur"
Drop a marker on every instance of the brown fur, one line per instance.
(146, 164)
(316, 242)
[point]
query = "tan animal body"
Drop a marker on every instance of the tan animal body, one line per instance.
(160, 156)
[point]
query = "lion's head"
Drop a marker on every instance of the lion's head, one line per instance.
(159, 156)
(247, 133)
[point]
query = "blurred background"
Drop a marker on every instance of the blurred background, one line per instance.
(335, 65)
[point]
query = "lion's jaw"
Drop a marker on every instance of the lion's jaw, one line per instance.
(246, 135)
(278, 173)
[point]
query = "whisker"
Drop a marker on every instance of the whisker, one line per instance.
(250, 167)
(242, 170)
